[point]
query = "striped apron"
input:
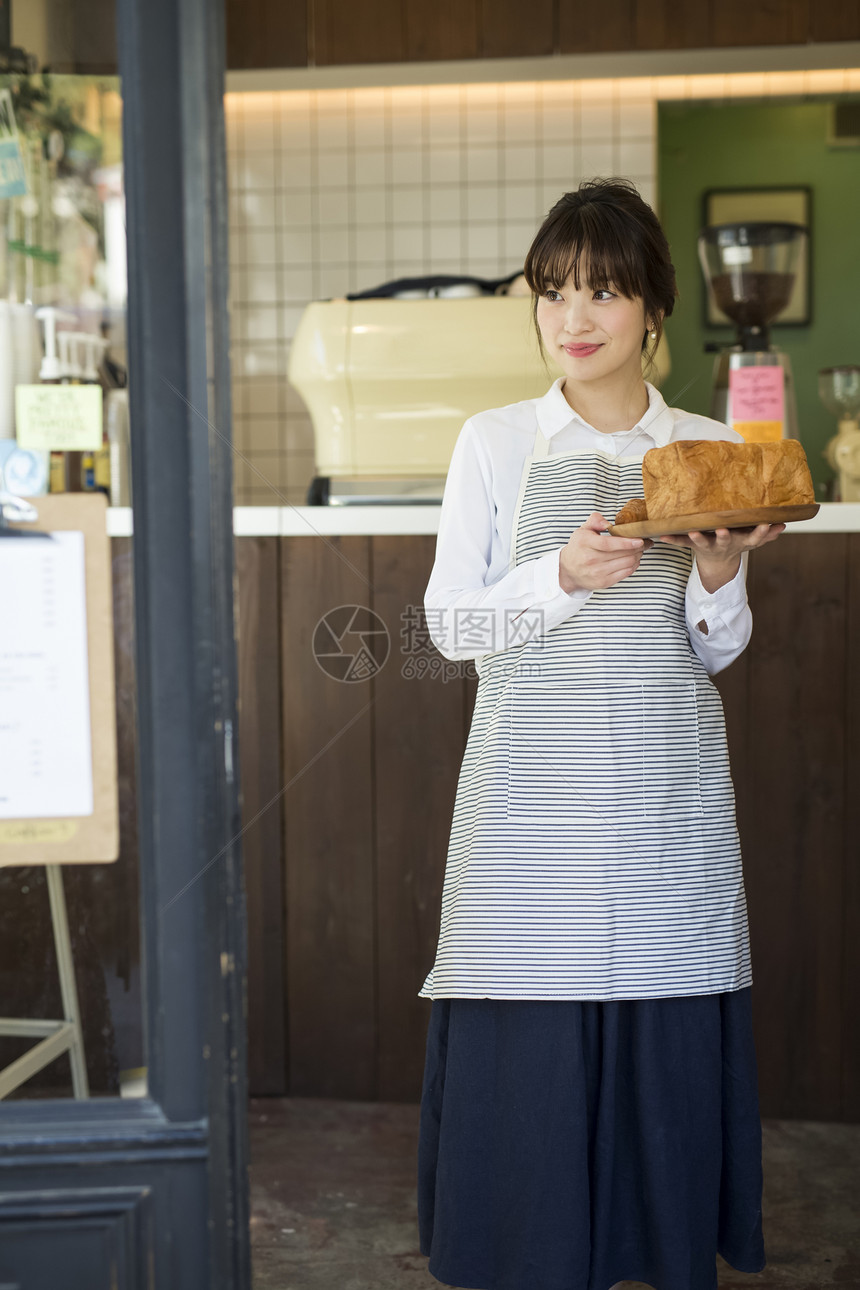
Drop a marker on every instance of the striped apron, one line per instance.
(593, 850)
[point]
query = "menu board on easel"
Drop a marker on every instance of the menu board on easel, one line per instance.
(58, 775)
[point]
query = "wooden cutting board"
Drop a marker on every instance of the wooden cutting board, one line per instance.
(707, 521)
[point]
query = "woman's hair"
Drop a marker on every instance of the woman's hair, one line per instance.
(606, 235)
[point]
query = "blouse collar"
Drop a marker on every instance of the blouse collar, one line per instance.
(554, 413)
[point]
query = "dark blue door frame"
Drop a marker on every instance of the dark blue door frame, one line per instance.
(153, 1193)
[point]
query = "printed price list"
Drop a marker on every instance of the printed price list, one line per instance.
(45, 737)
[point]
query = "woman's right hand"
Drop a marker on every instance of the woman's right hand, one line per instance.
(594, 558)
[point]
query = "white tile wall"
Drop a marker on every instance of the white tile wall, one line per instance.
(334, 191)
(340, 190)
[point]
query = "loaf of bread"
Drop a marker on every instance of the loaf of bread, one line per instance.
(700, 475)
(711, 475)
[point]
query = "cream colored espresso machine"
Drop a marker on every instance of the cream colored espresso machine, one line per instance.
(389, 383)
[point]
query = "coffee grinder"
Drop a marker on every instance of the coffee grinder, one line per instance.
(750, 269)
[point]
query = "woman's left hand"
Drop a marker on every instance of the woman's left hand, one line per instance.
(718, 554)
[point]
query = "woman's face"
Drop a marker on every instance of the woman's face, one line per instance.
(592, 335)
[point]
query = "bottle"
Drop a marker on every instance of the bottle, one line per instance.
(116, 417)
(96, 465)
(51, 373)
(117, 433)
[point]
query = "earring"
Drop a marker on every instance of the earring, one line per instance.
(653, 335)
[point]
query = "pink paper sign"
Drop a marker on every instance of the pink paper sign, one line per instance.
(757, 393)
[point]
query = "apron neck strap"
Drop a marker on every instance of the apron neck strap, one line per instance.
(541, 448)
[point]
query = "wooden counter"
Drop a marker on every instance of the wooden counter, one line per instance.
(353, 849)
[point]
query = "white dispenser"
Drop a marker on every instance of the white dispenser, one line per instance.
(51, 368)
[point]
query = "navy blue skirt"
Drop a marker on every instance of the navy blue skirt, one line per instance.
(570, 1145)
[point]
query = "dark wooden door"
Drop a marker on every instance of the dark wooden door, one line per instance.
(152, 1192)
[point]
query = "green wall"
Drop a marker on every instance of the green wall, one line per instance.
(704, 146)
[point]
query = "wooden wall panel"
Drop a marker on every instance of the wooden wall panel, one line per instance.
(850, 993)
(365, 31)
(835, 20)
(796, 718)
(262, 809)
(672, 24)
(587, 28)
(95, 47)
(511, 29)
(266, 33)
(328, 829)
(418, 749)
(445, 29)
(760, 22)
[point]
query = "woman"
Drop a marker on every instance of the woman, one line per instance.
(590, 1110)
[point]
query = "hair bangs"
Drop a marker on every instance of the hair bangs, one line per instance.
(587, 249)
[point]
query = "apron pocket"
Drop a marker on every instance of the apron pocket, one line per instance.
(577, 754)
(673, 781)
(614, 755)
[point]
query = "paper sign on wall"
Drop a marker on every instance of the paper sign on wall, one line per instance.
(59, 417)
(758, 402)
(13, 179)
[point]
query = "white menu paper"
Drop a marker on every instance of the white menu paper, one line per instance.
(45, 744)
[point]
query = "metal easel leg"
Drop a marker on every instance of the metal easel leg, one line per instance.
(68, 988)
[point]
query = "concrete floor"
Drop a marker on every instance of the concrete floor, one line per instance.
(333, 1201)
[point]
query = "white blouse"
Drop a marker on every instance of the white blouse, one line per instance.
(474, 595)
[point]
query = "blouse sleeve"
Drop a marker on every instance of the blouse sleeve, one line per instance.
(719, 622)
(466, 615)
